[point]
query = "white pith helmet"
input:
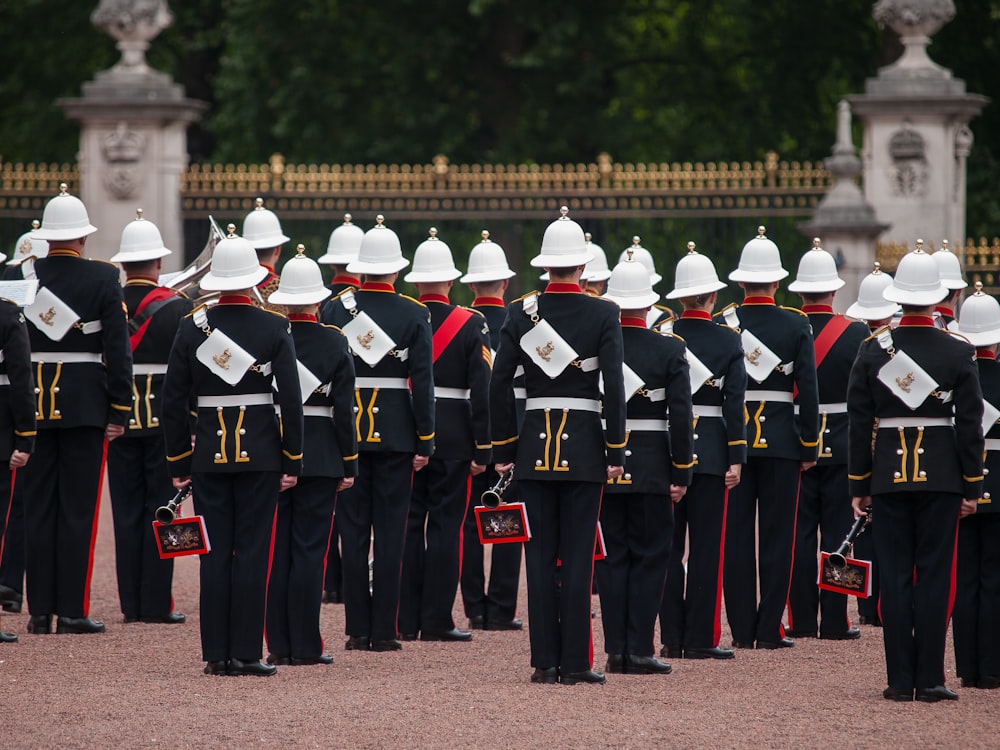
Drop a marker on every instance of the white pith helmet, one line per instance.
(301, 282)
(262, 229)
(380, 252)
(760, 261)
(563, 244)
(695, 275)
(643, 256)
(234, 265)
(27, 244)
(917, 280)
(141, 240)
(64, 218)
(949, 267)
(432, 262)
(871, 305)
(487, 262)
(629, 286)
(597, 267)
(345, 241)
(817, 272)
(979, 318)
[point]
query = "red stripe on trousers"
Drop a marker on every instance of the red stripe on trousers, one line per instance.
(10, 504)
(461, 529)
(952, 579)
(795, 523)
(717, 617)
(93, 533)
(270, 561)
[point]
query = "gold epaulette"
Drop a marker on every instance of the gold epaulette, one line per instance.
(199, 307)
(328, 325)
(274, 312)
(957, 335)
(343, 292)
(730, 306)
(108, 262)
(876, 333)
(414, 301)
(734, 330)
(679, 338)
(666, 309)
(525, 296)
(794, 310)
(4, 299)
(472, 310)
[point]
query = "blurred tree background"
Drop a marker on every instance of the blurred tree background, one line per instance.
(398, 81)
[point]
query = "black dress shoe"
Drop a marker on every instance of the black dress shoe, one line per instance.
(935, 694)
(772, 645)
(448, 635)
(407, 636)
(128, 619)
(512, 624)
(10, 599)
(672, 652)
(477, 622)
(851, 634)
(615, 664)
(279, 661)
(40, 624)
(173, 618)
(988, 682)
(708, 653)
(742, 644)
(801, 633)
(875, 622)
(79, 625)
(321, 659)
(645, 665)
(217, 668)
(240, 668)
(390, 645)
(358, 643)
(588, 677)
(545, 676)
(333, 597)
(900, 696)
(6, 637)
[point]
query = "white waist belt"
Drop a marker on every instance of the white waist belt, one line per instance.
(992, 444)
(889, 423)
(569, 404)
(73, 357)
(701, 410)
(784, 397)
(240, 399)
(462, 394)
(645, 425)
(5, 380)
(656, 394)
(590, 363)
(838, 408)
(520, 393)
(317, 411)
(399, 384)
(149, 369)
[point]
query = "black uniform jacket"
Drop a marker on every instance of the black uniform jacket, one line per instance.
(81, 394)
(462, 425)
(17, 394)
(832, 375)
(654, 458)
(392, 419)
(721, 442)
(237, 437)
(331, 446)
(495, 312)
(773, 431)
(151, 342)
(989, 380)
(558, 443)
(916, 458)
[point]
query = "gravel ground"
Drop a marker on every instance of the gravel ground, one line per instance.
(141, 685)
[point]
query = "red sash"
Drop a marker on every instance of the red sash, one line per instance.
(825, 341)
(448, 329)
(159, 294)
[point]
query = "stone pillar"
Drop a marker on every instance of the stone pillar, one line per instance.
(844, 221)
(133, 134)
(916, 137)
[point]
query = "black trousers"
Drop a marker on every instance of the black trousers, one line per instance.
(691, 611)
(768, 487)
(432, 553)
(864, 549)
(824, 507)
(139, 481)
(333, 579)
(563, 519)
(239, 513)
(915, 535)
(638, 534)
(12, 541)
(976, 617)
(62, 484)
(295, 583)
(377, 503)
(497, 600)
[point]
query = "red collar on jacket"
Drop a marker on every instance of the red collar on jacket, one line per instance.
(944, 310)
(235, 299)
(140, 280)
(345, 279)
(985, 354)
(435, 298)
(761, 299)
(916, 321)
(696, 315)
(488, 302)
(817, 309)
(563, 287)
(377, 286)
(65, 252)
(303, 317)
(630, 322)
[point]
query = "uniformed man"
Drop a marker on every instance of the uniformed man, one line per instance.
(916, 388)
(345, 241)
(637, 515)
(562, 456)
(17, 404)
(876, 311)
(229, 357)
(778, 352)
(491, 606)
(596, 273)
(138, 477)
(83, 382)
(657, 313)
(262, 229)
(330, 461)
(440, 496)
(977, 579)
(390, 336)
(691, 610)
(824, 497)
(951, 276)
(12, 541)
